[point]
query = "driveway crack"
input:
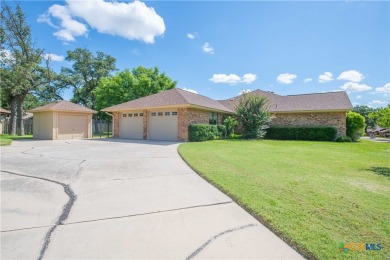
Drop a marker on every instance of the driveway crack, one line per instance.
(65, 210)
(203, 246)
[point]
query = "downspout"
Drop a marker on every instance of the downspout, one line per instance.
(113, 124)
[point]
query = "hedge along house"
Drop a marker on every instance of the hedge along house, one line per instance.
(165, 115)
(317, 109)
(62, 120)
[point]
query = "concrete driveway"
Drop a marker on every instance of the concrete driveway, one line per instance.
(90, 199)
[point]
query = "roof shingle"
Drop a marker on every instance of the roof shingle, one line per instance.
(62, 106)
(336, 101)
(172, 97)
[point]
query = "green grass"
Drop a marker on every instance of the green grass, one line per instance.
(6, 139)
(312, 194)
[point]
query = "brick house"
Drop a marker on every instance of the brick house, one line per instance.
(167, 115)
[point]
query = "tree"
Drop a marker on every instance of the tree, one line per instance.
(381, 116)
(253, 115)
(129, 85)
(20, 72)
(365, 111)
(355, 125)
(84, 76)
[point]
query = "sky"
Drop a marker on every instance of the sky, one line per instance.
(221, 48)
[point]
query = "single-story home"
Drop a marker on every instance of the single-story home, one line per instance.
(62, 120)
(167, 115)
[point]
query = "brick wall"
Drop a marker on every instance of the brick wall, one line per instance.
(336, 119)
(116, 124)
(189, 116)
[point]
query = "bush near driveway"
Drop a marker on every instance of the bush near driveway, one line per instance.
(313, 194)
(203, 132)
(303, 133)
(356, 124)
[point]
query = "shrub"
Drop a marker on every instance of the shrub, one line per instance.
(253, 115)
(230, 123)
(344, 139)
(306, 133)
(203, 132)
(222, 131)
(355, 125)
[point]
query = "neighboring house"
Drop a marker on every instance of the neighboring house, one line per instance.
(317, 109)
(167, 115)
(62, 120)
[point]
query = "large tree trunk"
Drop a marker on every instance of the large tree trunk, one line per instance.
(12, 122)
(19, 119)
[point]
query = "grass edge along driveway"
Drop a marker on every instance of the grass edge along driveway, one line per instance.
(314, 195)
(6, 139)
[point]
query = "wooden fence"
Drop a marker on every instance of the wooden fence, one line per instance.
(27, 123)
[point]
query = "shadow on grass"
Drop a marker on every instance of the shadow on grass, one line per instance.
(385, 171)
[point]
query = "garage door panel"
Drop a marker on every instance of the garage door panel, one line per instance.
(131, 127)
(72, 126)
(163, 125)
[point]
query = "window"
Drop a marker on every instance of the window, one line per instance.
(167, 113)
(213, 118)
(160, 113)
(153, 114)
(135, 114)
(174, 113)
(141, 114)
(124, 115)
(130, 115)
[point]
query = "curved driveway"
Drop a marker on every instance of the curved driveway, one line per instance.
(90, 199)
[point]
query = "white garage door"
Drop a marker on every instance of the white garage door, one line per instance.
(131, 125)
(163, 125)
(72, 126)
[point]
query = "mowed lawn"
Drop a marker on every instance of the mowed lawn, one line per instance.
(6, 139)
(313, 194)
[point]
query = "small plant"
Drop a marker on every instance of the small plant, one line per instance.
(343, 139)
(355, 125)
(222, 131)
(230, 122)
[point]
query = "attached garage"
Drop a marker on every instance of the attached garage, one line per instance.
(62, 120)
(131, 125)
(162, 125)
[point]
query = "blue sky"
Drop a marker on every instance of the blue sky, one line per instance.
(284, 47)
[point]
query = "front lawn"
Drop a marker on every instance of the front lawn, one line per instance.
(6, 139)
(313, 194)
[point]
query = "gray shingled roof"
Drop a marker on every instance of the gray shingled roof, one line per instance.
(329, 101)
(172, 97)
(62, 106)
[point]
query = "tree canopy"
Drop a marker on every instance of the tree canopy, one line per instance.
(129, 85)
(381, 116)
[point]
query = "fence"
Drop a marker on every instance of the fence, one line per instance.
(27, 123)
(102, 128)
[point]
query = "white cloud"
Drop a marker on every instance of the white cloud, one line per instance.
(353, 86)
(249, 78)
(224, 78)
(351, 75)
(385, 89)
(207, 48)
(53, 57)
(244, 91)
(191, 36)
(378, 102)
(286, 78)
(190, 90)
(233, 79)
(358, 97)
(326, 77)
(133, 21)
(307, 80)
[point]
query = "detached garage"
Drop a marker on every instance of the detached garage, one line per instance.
(62, 120)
